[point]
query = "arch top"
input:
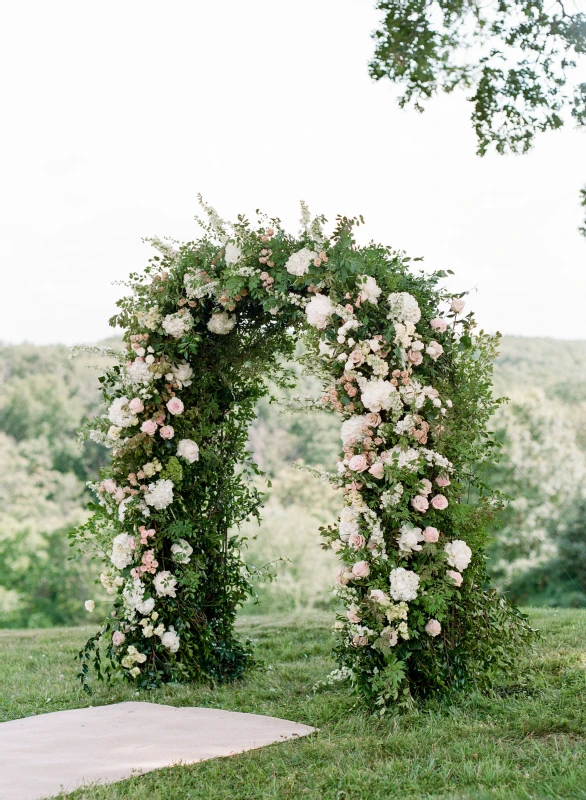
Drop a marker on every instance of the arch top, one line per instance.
(409, 374)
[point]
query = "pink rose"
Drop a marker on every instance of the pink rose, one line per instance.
(420, 504)
(353, 616)
(343, 576)
(377, 470)
(109, 485)
(426, 487)
(439, 324)
(149, 426)
(439, 502)
(430, 534)
(457, 305)
(377, 595)
(372, 419)
(167, 432)
(136, 405)
(119, 495)
(356, 540)
(455, 576)
(359, 641)
(415, 357)
(433, 628)
(175, 406)
(443, 481)
(361, 569)
(117, 638)
(358, 463)
(356, 357)
(434, 350)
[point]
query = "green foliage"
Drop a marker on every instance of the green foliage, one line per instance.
(515, 56)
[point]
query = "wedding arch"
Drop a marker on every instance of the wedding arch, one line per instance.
(409, 374)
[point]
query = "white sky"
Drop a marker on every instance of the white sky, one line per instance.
(116, 114)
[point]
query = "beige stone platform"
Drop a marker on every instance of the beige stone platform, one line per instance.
(44, 755)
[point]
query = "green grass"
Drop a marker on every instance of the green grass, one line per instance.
(529, 743)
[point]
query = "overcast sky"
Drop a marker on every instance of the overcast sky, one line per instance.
(116, 114)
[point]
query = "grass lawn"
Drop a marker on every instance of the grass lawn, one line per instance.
(529, 743)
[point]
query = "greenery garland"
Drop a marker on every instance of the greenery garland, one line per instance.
(205, 326)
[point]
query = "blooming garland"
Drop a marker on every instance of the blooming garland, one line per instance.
(399, 365)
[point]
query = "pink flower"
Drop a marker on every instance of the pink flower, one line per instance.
(361, 569)
(430, 534)
(433, 628)
(455, 576)
(426, 487)
(356, 357)
(160, 418)
(372, 419)
(175, 406)
(358, 463)
(439, 324)
(377, 470)
(109, 485)
(439, 502)
(149, 426)
(377, 595)
(167, 432)
(415, 357)
(119, 495)
(443, 481)
(117, 638)
(359, 641)
(434, 350)
(457, 305)
(356, 540)
(136, 405)
(343, 576)
(420, 503)
(353, 616)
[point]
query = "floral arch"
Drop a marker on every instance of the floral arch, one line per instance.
(409, 376)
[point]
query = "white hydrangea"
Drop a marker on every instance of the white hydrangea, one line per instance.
(170, 639)
(404, 307)
(188, 450)
(177, 325)
(165, 584)
(133, 594)
(377, 395)
(120, 415)
(459, 554)
(404, 584)
(221, 323)
(319, 311)
(348, 523)
(122, 551)
(159, 494)
(233, 253)
(370, 291)
(139, 373)
(353, 429)
(409, 538)
(298, 263)
(181, 551)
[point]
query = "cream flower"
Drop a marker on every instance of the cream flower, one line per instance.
(298, 263)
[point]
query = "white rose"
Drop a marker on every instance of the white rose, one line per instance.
(319, 311)
(177, 325)
(457, 305)
(409, 538)
(89, 605)
(188, 450)
(221, 323)
(370, 291)
(146, 607)
(165, 584)
(122, 551)
(181, 551)
(459, 554)
(233, 253)
(170, 639)
(348, 523)
(434, 350)
(298, 263)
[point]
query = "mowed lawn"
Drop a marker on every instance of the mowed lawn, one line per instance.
(524, 741)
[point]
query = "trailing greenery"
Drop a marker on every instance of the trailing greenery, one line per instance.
(515, 56)
(525, 740)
